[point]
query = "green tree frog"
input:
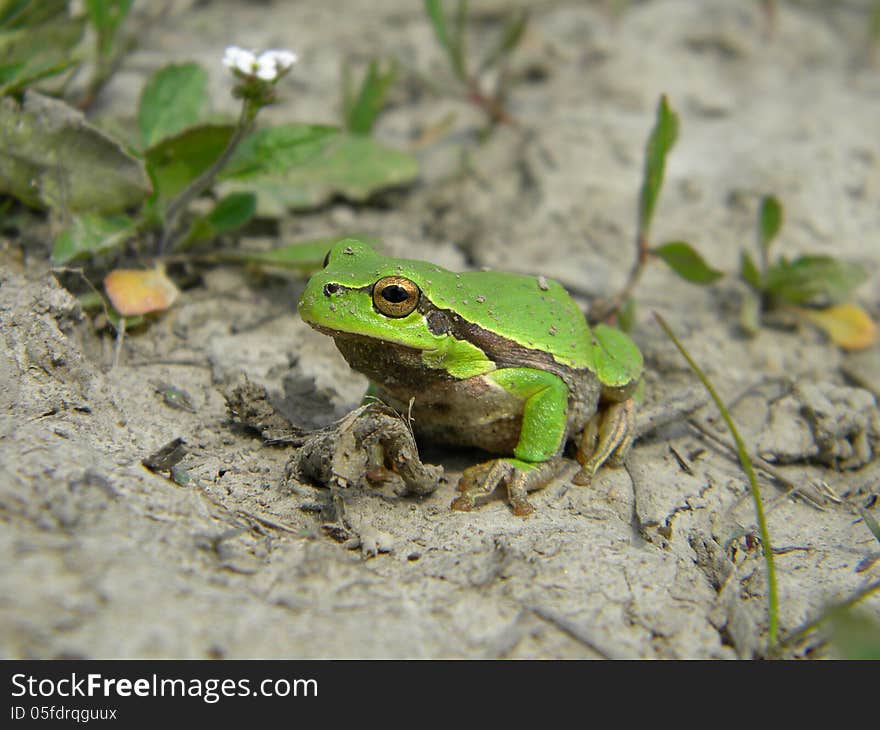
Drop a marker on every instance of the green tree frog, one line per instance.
(503, 362)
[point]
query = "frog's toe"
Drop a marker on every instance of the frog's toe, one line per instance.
(606, 439)
(480, 481)
(462, 504)
(520, 478)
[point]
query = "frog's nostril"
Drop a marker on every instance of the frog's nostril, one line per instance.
(331, 289)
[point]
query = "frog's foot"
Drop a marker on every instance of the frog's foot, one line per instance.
(520, 478)
(605, 439)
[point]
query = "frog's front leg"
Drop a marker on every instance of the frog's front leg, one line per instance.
(537, 461)
(605, 439)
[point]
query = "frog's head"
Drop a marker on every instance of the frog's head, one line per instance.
(362, 293)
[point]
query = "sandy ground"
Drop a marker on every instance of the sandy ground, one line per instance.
(106, 559)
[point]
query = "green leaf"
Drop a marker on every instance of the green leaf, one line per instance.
(176, 161)
(434, 9)
(25, 13)
(451, 44)
(301, 166)
(509, 40)
(854, 634)
(30, 53)
(687, 263)
(91, 234)
(233, 212)
(172, 100)
(660, 142)
(749, 271)
(361, 112)
(18, 76)
(230, 214)
(874, 25)
(107, 17)
(305, 257)
(53, 158)
(276, 149)
(626, 316)
(458, 36)
(813, 280)
(769, 222)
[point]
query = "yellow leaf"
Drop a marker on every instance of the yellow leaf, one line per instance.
(848, 325)
(133, 291)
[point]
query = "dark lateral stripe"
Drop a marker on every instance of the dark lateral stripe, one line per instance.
(504, 352)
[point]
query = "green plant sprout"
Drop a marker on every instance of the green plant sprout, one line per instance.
(257, 76)
(680, 256)
(361, 108)
(106, 18)
(181, 179)
(812, 288)
(42, 39)
(451, 33)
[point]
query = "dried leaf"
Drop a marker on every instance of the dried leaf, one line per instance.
(848, 325)
(136, 291)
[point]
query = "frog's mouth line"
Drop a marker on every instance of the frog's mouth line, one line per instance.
(367, 339)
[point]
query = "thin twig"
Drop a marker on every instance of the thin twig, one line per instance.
(603, 311)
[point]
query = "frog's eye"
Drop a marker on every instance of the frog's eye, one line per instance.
(395, 296)
(326, 261)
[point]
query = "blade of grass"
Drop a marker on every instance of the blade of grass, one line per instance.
(458, 38)
(434, 9)
(746, 463)
(660, 143)
(769, 223)
(509, 40)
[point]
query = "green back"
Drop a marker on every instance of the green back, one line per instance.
(536, 313)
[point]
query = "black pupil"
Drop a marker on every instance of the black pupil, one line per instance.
(395, 294)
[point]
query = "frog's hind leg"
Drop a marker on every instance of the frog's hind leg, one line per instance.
(518, 476)
(605, 439)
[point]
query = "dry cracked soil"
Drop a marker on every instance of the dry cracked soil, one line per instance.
(104, 558)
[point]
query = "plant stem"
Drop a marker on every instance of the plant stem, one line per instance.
(746, 463)
(203, 182)
(604, 310)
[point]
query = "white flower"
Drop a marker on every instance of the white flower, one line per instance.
(238, 59)
(268, 66)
